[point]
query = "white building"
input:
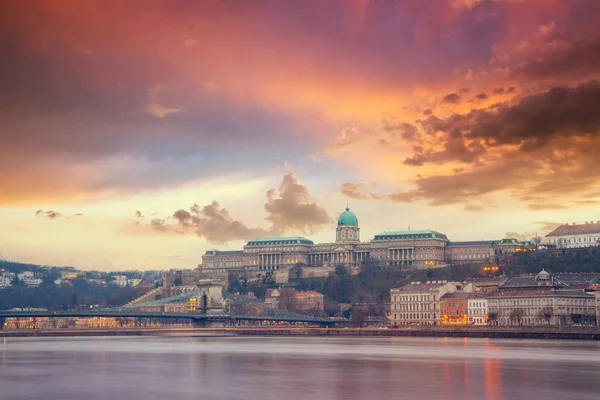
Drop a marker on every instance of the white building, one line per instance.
(120, 280)
(5, 282)
(575, 235)
(419, 303)
(542, 307)
(477, 304)
(25, 274)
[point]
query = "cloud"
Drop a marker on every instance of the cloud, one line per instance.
(580, 59)
(289, 208)
(212, 223)
(48, 214)
(138, 214)
(547, 227)
(508, 90)
(452, 98)
(481, 96)
(357, 191)
(292, 207)
(521, 236)
(530, 125)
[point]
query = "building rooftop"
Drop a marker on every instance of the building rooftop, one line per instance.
(225, 253)
(541, 293)
(530, 281)
(280, 240)
(347, 218)
(576, 229)
(489, 243)
(593, 288)
(425, 234)
(456, 296)
(421, 286)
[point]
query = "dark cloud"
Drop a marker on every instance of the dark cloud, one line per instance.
(138, 214)
(48, 214)
(407, 132)
(579, 60)
(481, 96)
(214, 223)
(452, 98)
(531, 124)
(508, 90)
(427, 112)
(289, 208)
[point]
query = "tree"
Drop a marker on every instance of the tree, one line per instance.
(536, 240)
(493, 317)
(516, 315)
(358, 315)
(296, 270)
(286, 300)
(546, 314)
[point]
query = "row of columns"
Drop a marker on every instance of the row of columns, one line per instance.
(338, 258)
(269, 259)
(401, 254)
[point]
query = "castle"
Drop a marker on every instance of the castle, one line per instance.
(418, 249)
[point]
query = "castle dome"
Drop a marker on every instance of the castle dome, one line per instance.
(347, 218)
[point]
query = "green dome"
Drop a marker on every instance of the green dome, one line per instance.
(347, 218)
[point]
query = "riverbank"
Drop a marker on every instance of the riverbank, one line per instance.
(471, 332)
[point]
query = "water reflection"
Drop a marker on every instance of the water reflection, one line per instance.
(297, 368)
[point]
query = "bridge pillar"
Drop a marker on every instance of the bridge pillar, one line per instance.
(2, 320)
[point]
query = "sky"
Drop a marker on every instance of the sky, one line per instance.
(140, 134)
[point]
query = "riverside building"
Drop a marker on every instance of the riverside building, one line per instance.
(419, 303)
(415, 248)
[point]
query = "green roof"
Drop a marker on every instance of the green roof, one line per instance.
(347, 218)
(410, 235)
(281, 240)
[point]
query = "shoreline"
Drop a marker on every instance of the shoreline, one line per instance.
(483, 332)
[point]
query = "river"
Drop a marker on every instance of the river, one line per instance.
(260, 368)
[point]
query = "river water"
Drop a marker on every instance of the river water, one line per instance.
(297, 368)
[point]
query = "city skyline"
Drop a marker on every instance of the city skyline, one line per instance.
(139, 135)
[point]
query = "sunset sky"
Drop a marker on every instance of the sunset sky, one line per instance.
(139, 134)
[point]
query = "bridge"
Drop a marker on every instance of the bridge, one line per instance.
(241, 309)
(189, 316)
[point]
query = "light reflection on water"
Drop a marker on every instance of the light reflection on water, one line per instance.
(297, 368)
